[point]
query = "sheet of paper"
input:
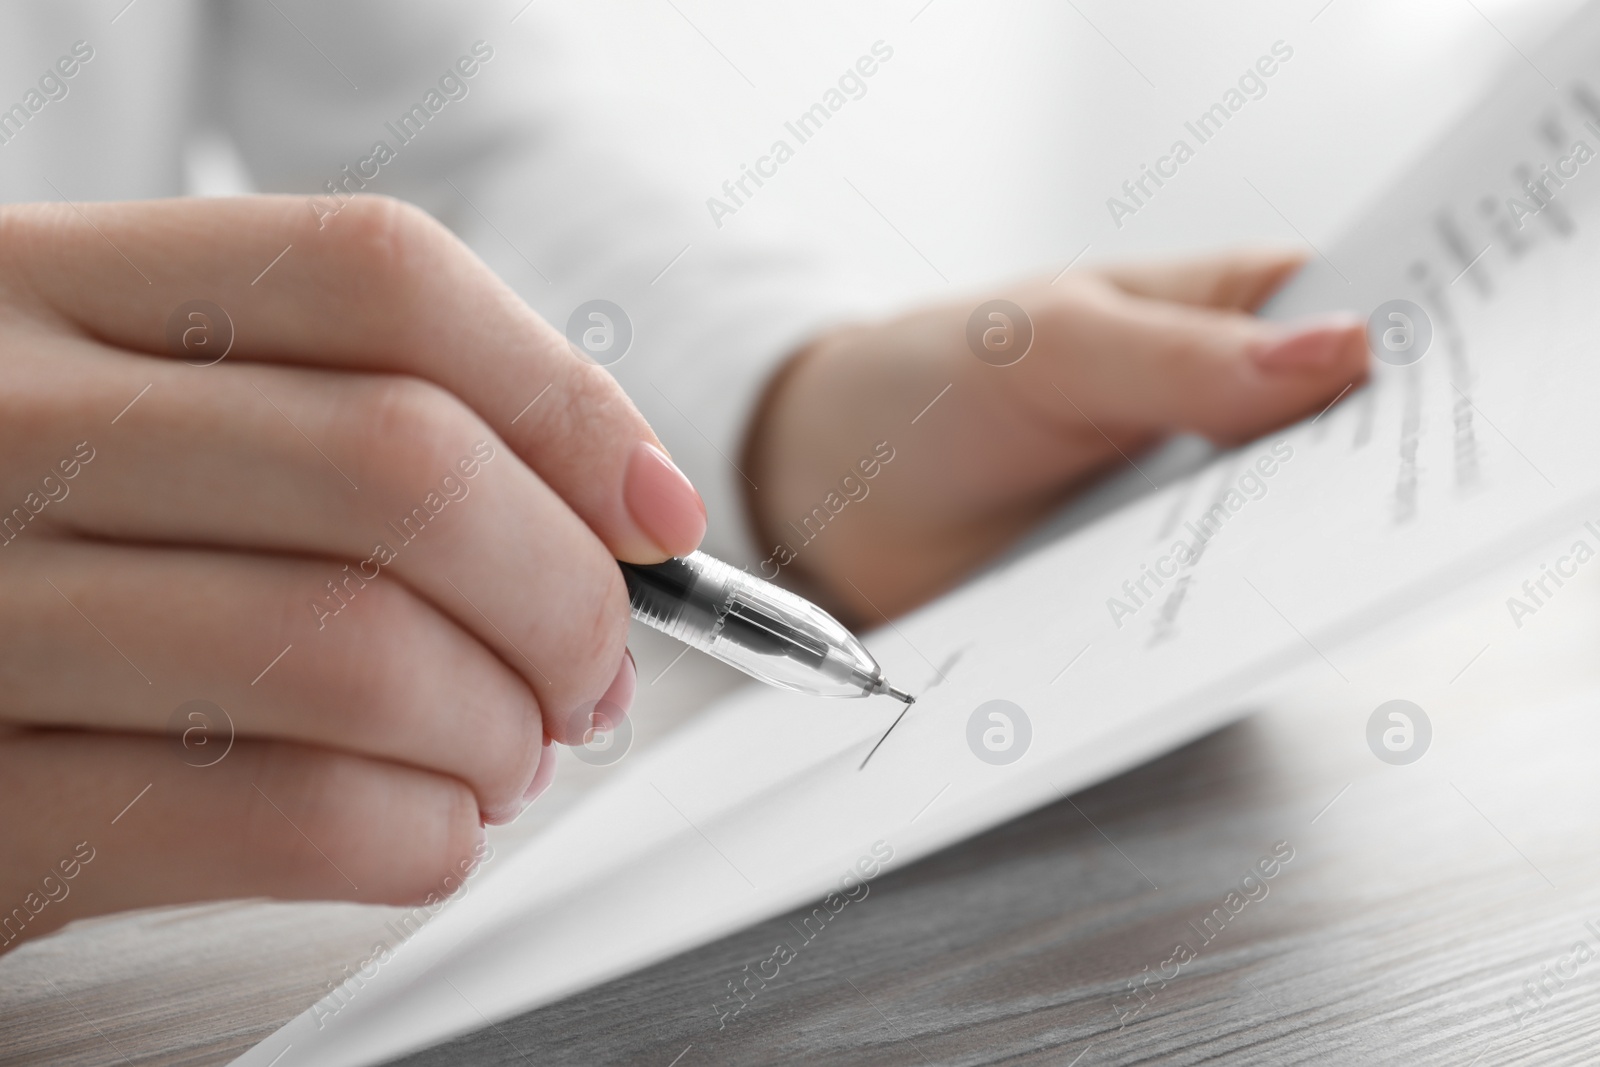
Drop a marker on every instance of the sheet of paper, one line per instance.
(1112, 645)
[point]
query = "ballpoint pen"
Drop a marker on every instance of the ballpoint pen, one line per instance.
(767, 632)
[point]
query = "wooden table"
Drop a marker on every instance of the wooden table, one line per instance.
(1418, 902)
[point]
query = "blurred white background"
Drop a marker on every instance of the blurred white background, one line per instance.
(994, 136)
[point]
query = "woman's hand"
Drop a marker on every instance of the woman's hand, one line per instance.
(377, 540)
(1120, 358)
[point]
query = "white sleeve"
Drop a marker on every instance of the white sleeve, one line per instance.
(568, 196)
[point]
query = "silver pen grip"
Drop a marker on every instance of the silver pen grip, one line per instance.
(767, 632)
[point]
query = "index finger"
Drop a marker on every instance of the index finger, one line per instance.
(380, 286)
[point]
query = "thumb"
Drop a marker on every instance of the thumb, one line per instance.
(1225, 374)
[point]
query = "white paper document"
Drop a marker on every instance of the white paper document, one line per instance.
(1118, 642)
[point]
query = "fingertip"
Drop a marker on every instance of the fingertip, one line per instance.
(663, 502)
(1311, 345)
(605, 713)
(618, 698)
(543, 776)
(415, 870)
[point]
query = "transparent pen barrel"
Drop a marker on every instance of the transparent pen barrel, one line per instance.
(759, 628)
(682, 598)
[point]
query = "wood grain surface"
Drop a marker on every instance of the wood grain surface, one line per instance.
(1421, 903)
(1397, 933)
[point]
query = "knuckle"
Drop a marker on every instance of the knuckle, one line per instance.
(596, 406)
(366, 679)
(411, 431)
(386, 239)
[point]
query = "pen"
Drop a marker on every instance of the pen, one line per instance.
(767, 632)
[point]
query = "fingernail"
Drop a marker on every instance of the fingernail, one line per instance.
(662, 501)
(543, 776)
(1306, 345)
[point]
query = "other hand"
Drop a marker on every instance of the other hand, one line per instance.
(1121, 358)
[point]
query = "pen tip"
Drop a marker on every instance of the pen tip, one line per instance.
(901, 695)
